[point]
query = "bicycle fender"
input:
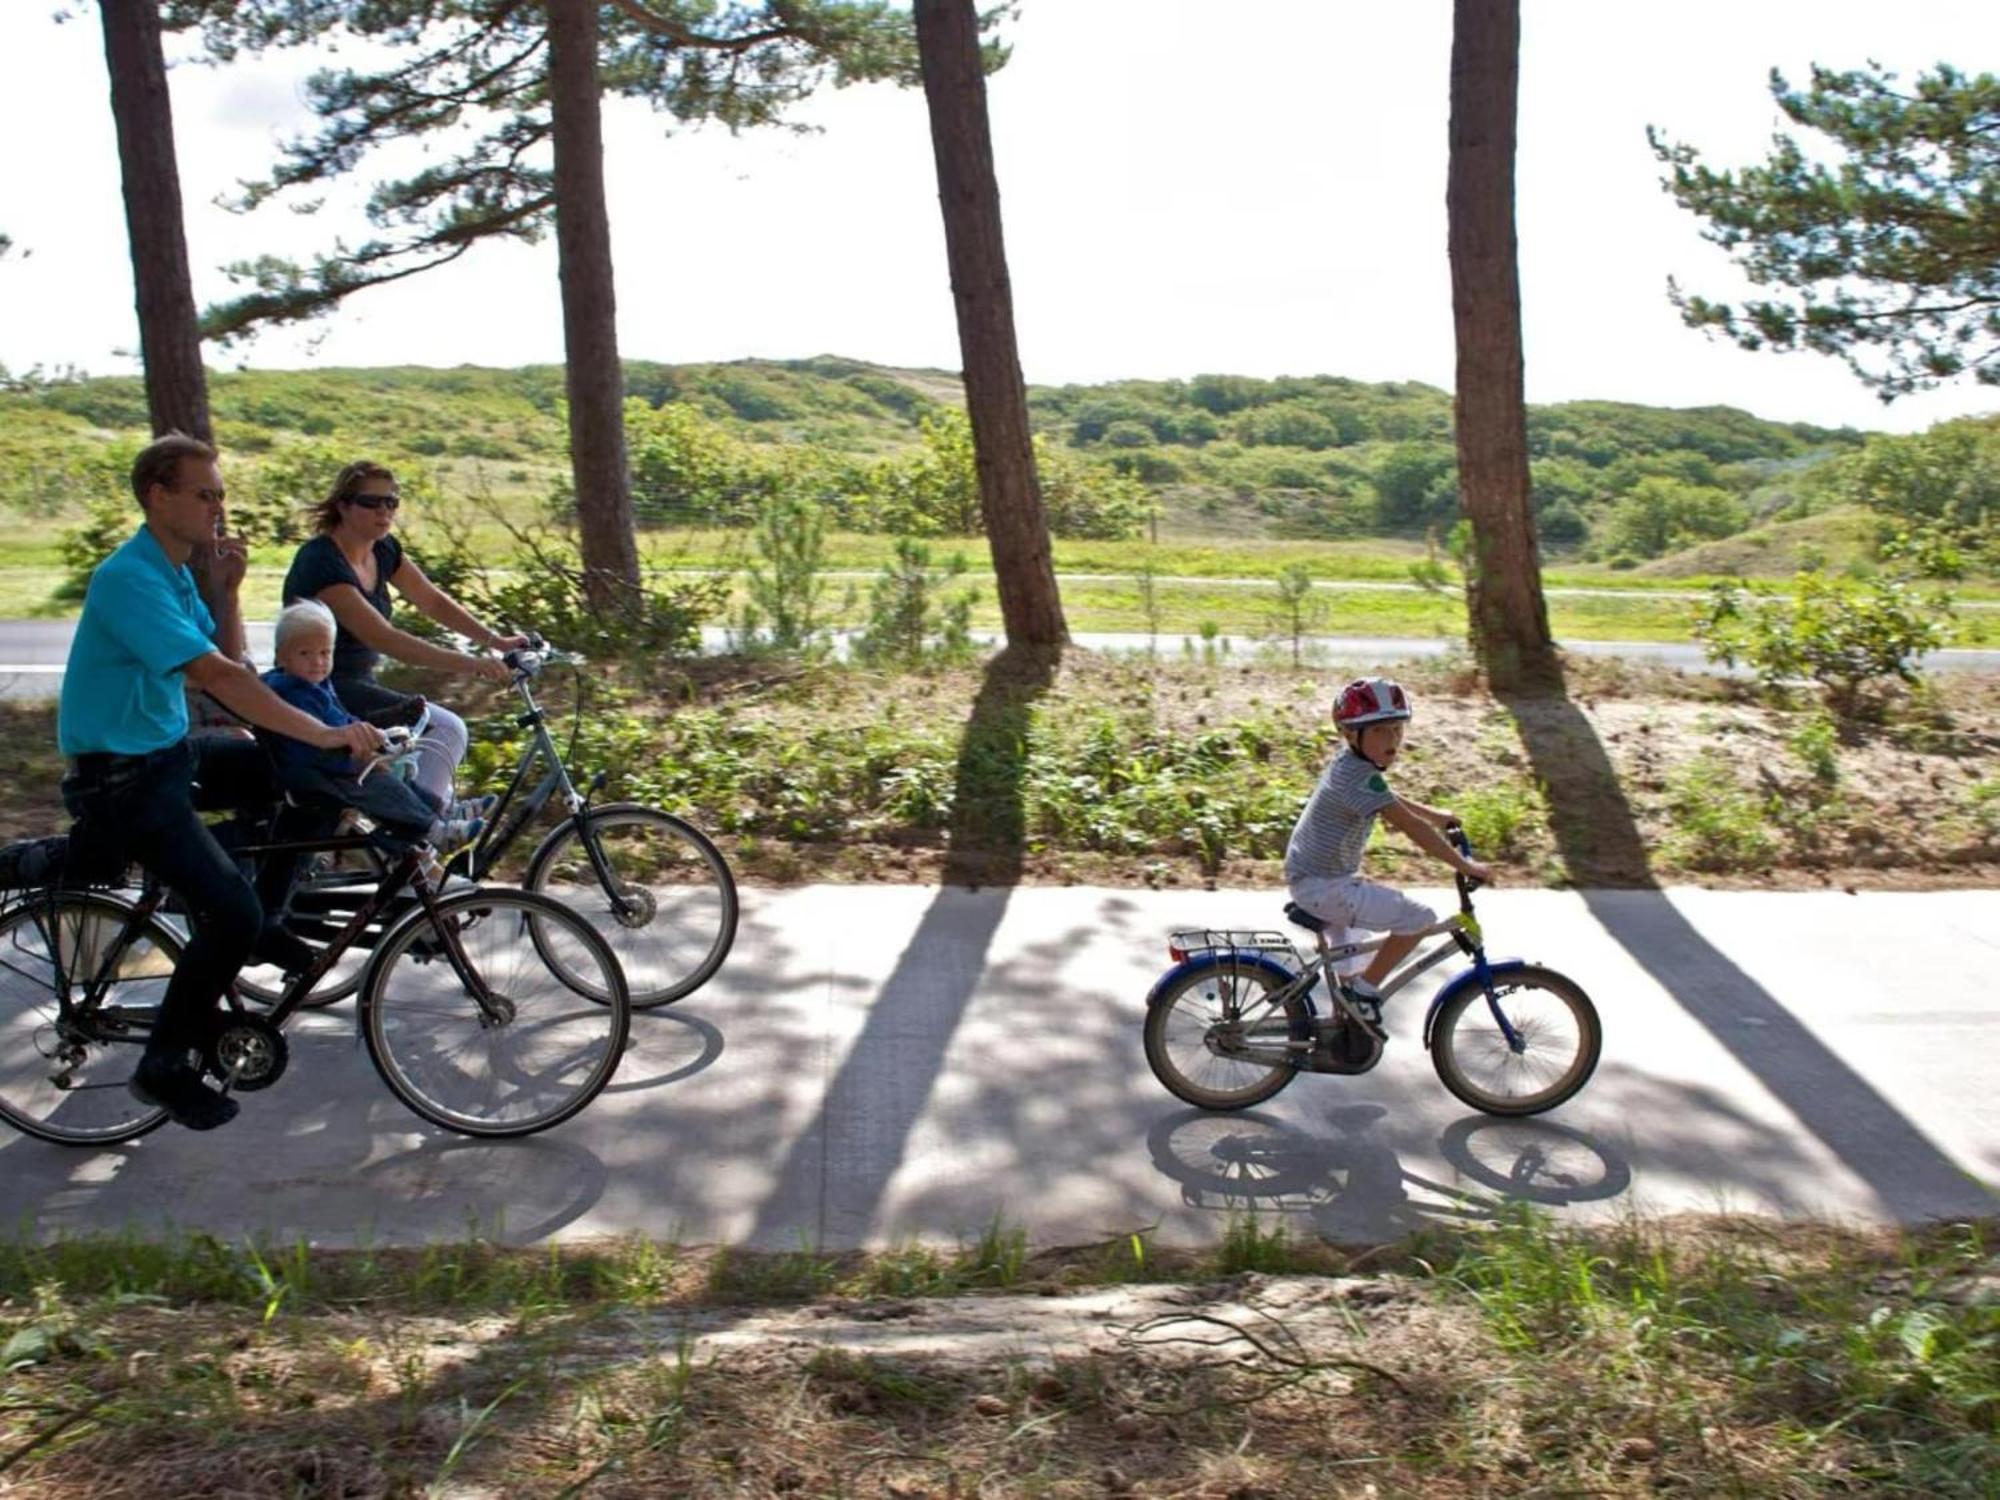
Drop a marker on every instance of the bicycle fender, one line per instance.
(1206, 961)
(1471, 978)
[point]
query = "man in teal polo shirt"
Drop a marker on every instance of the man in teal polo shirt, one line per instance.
(135, 779)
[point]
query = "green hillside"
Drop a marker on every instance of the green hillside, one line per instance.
(1305, 458)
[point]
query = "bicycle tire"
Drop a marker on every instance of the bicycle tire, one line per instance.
(1569, 1038)
(686, 922)
(426, 1035)
(92, 1106)
(1178, 1038)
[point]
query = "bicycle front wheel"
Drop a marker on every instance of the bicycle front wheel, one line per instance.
(507, 1044)
(1559, 1039)
(675, 917)
(74, 1016)
(1211, 1033)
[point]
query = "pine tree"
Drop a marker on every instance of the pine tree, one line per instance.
(493, 64)
(169, 333)
(1508, 616)
(996, 396)
(1888, 257)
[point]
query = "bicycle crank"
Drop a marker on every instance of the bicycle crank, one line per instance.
(247, 1052)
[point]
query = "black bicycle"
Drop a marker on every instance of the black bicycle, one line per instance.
(654, 885)
(489, 1011)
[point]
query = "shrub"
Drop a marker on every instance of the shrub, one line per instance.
(543, 590)
(102, 531)
(785, 586)
(1718, 825)
(1855, 640)
(1495, 817)
(1297, 609)
(1661, 515)
(1815, 742)
(908, 619)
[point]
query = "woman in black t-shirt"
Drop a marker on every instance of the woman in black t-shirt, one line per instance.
(349, 568)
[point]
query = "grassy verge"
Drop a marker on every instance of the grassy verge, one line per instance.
(1701, 1358)
(1129, 770)
(1108, 597)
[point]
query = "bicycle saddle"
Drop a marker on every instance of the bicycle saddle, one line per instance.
(1296, 913)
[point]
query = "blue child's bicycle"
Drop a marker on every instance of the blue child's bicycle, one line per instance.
(1235, 1019)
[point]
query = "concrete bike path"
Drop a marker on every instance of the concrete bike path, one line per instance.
(881, 1063)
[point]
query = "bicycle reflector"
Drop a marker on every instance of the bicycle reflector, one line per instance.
(1176, 952)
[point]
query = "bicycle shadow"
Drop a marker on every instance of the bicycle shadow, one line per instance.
(1598, 836)
(1354, 1188)
(662, 1041)
(830, 1185)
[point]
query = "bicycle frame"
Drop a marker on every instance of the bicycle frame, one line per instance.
(1466, 937)
(507, 821)
(402, 875)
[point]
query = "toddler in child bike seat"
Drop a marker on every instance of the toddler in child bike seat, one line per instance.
(1323, 857)
(305, 658)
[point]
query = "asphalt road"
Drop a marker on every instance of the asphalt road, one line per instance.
(877, 1063)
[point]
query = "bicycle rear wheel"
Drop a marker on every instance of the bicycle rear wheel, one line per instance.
(1560, 1039)
(542, 1047)
(679, 914)
(64, 1060)
(1203, 1028)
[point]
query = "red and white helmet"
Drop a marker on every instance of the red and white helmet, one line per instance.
(1370, 700)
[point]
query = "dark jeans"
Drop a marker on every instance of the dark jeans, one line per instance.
(143, 808)
(395, 804)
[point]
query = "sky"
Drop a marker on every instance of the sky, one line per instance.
(1250, 187)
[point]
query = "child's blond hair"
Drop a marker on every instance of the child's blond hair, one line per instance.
(306, 615)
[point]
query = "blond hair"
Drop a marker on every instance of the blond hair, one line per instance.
(306, 615)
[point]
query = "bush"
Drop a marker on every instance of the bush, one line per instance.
(1856, 641)
(1661, 515)
(785, 586)
(1717, 824)
(908, 620)
(543, 590)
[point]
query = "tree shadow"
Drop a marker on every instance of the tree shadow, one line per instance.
(1608, 862)
(830, 1185)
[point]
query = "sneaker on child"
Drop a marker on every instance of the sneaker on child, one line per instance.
(450, 834)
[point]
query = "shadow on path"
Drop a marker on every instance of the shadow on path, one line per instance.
(1607, 860)
(830, 1185)
(1354, 1186)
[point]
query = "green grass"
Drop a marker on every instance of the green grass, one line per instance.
(1717, 1357)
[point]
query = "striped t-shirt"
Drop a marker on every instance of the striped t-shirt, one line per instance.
(1333, 830)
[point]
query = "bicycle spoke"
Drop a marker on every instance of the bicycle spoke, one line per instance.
(543, 1052)
(64, 1064)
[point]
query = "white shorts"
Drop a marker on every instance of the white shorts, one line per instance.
(1352, 908)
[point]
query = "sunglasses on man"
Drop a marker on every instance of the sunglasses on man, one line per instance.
(375, 502)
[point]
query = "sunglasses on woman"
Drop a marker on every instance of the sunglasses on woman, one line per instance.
(375, 502)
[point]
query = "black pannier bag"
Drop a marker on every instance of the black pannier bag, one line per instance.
(33, 863)
(69, 860)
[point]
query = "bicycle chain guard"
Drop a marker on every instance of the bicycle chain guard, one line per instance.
(1343, 1047)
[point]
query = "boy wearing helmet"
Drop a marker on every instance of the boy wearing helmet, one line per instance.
(1323, 859)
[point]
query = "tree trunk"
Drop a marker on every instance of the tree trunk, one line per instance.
(169, 333)
(1509, 619)
(1010, 495)
(592, 376)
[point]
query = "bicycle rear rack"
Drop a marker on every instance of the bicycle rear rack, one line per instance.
(1191, 942)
